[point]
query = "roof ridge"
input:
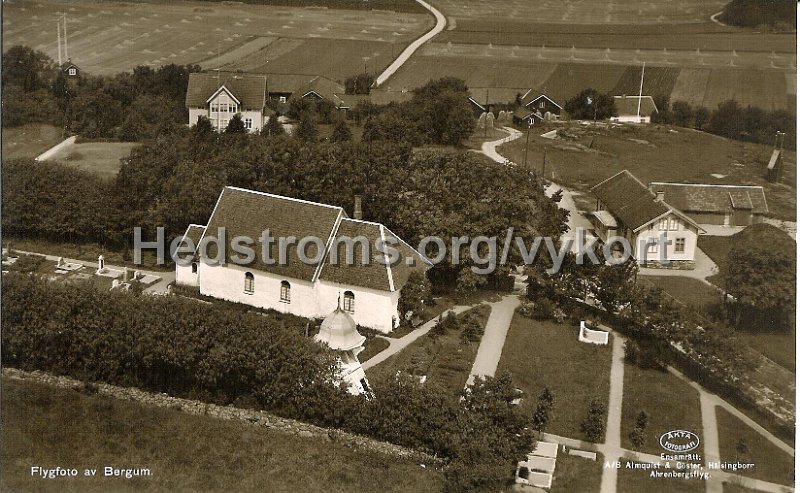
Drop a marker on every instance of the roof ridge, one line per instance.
(716, 185)
(310, 202)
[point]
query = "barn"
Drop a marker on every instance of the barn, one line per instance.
(725, 205)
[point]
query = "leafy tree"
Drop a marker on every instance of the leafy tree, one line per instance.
(544, 411)
(235, 125)
(341, 132)
(591, 104)
(701, 117)
(273, 127)
(663, 113)
(21, 107)
(642, 419)
(594, 425)
(132, 129)
(359, 84)
(616, 285)
(307, 130)
(27, 68)
(414, 295)
(637, 437)
(94, 115)
(683, 114)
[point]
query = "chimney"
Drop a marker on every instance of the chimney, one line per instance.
(357, 207)
(660, 196)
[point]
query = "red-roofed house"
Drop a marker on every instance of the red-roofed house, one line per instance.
(627, 208)
(218, 96)
(316, 274)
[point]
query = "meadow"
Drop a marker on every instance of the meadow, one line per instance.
(30, 140)
(100, 158)
(118, 36)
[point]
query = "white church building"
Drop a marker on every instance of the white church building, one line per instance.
(367, 288)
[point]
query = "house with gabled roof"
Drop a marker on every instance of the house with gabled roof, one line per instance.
(634, 109)
(546, 108)
(315, 275)
(220, 95)
(627, 208)
(726, 205)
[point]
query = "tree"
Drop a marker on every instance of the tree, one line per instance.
(94, 114)
(273, 127)
(544, 411)
(616, 285)
(414, 295)
(27, 68)
(590, 104)
(683, 114)
(236, 125)
(359, 84)
(594, 425)
(132, 129)
(445, 117)
(727, 120)
(663, 114)
(701, 117)
(341, 132)
(307, 130)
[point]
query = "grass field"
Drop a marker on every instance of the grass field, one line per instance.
(771, 463)
(55, 427)
(657, 153)
(639, 481)
(120, 35)
(576, 474)
(100, 158)
(446, 360)
(670, 403)
(735, 488)
(30, 140)
(687, 291)
(545, 354)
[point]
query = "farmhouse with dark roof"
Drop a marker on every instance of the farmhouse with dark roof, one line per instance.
(727, 205)
(313, 277)
(218, 96)
(627, 208)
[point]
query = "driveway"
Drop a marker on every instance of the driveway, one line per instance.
(494, 338)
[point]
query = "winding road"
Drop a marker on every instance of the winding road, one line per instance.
(441, 23)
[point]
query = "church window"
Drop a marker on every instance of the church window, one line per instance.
(249, 283)
(349, 302)
(286, 292)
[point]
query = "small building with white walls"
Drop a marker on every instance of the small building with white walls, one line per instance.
(219, 95)
(627, 208)
(634, 109)
(316, 275)
(338, 332)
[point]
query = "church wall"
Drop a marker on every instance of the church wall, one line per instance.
(185, 277)
(373, 308)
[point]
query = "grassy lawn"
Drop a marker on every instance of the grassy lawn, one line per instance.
(657, 153)
(717, 249)
(543, 354)
(100, 158)
(690, 292)
(574, 474)
(639, 481)
(373, 346)
(670, 403)
(29, 140)
(55, 427)
(446, 360)
(480, 135)
(771, 463)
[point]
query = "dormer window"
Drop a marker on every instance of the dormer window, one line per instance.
(72, 71)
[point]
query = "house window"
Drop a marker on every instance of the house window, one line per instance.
(652, 245)
(662, 224)
(365, 385)
(282, 99)
(680, 245)
(349, 302)
(248, 123)
(673, 224)
(286, 292)
(194, 267)
(72, 71)
(541, 104)
(249, 283)
(214, 107)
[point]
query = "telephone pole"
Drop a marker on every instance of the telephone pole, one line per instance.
(527, 140)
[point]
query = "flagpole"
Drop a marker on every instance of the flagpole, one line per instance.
(641, 86)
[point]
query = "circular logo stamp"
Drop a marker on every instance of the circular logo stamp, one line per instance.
(679, 441)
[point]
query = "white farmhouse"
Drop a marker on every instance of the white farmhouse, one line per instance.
(634, 109)
(627, 208)
(219, 95)
(308, 282)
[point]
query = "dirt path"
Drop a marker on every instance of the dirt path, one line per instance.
(608, 482)
(494, 337)
(441, 23)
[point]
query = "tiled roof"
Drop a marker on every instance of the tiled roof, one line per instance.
(323, 86)
(248, 213)
(250, 90)
(537, 98)
(628, 105)
(629, 200)
(286, 83)
(699, 197)
(194, 232)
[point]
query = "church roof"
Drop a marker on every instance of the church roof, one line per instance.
(249, 213)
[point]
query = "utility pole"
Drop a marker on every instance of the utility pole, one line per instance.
(58, 28)
(527, 140)
(485, 122)
(544, 162)
(66, 54)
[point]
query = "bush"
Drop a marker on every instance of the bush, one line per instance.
(594, 426)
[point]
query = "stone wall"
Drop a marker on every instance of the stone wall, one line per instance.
(254, 417)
